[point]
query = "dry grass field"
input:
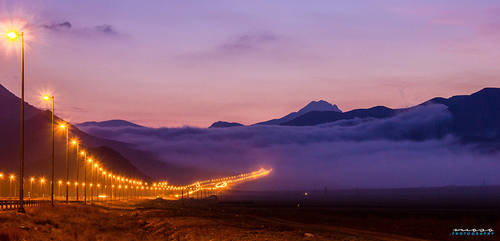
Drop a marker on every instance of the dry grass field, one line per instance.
(212, 220)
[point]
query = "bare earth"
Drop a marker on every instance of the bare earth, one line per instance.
(191, 220)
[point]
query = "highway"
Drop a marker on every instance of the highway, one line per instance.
(108, 187)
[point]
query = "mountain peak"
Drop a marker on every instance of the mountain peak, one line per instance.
(109, 123)
(224, 124)
(320, 105)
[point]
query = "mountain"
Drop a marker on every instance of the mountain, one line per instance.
(312, 106)
(130, 160)
(38, 142)
(319, 117)
(115, 161)
(475, 117)
(223, 124)
(109, 123)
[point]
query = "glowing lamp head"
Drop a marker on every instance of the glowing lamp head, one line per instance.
(63, 126)
(12, 35)
(46, 97)
(74, 142)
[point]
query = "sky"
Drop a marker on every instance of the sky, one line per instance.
(177, 63)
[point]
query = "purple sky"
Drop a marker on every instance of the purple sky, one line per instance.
(175, 63)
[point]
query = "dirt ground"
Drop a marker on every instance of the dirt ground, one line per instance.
(209, 220)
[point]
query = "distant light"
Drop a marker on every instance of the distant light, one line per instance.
(305, 194)
(102, 196)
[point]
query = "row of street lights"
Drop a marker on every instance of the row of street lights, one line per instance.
(19, 36)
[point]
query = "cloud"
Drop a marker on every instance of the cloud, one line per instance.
(250, 41)
(64, 26)
(362, 153)
(106, 29)
(67, 27)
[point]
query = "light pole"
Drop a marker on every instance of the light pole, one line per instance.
(48, 98)
(85, 176)
(92, 187)
(42, 181)
(59, 187)
(1, 178)
(11, 179)
(75, 142)
(31, 191)
(13, 35)
(64, 127)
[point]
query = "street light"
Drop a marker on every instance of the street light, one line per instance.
(75, 142)
(48, 98)
(31, 186)
(84, 154)
(11, 179)
(66, 128)
(14, 35)
(42, 181)
(59, 187)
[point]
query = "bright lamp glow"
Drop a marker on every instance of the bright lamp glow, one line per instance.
(12, 35)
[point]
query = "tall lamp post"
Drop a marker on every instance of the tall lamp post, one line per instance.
(75, 142)
(48, 98)
(66, 128)
(13, 36)
(84, 154)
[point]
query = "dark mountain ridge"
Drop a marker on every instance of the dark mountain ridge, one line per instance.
(110, 123)
(475, 117)
(132, 161)
(320, 105)
(224, 124)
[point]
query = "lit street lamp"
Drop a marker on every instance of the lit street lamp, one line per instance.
(84, 154)
(31, 186)
(11, 179)
(42, 181)
(75, 142)
(1, 177)
(48, 98)
(64, 127)
(13, 35)
(59, 189)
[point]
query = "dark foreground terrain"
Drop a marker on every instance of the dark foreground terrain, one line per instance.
(425, 215)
